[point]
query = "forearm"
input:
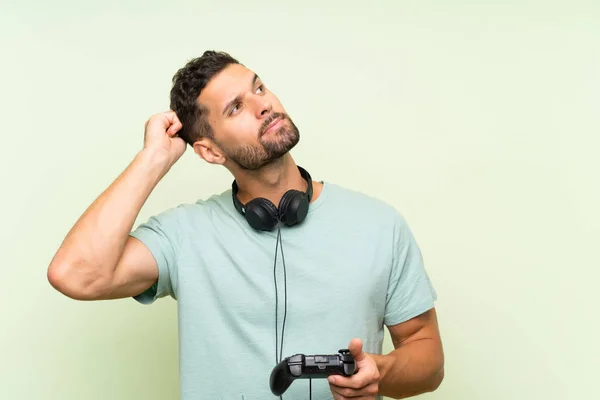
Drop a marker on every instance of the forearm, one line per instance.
(411, 369)
(93, 246)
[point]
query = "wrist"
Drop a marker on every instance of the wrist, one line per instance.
(156, 162)
(155, 156)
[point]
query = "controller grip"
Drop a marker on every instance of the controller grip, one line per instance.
(280, 380)
(308, 367)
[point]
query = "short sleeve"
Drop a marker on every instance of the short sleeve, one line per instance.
(410, 292)
(160, 234)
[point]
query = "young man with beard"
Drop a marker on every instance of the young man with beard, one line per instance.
(309, 268)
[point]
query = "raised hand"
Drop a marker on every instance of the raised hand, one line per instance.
(159, 136)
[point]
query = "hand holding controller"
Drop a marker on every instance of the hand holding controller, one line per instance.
(300, 366)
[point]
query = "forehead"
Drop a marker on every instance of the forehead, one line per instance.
(226, 85)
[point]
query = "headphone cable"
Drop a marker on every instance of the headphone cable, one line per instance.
(279, 352)
(279, 356)
(276, 298)
(285, 295)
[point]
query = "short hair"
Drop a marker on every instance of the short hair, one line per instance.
(188, 83)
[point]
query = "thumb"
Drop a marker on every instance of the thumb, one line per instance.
(356, 350)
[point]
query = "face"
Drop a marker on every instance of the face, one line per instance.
(251, 127)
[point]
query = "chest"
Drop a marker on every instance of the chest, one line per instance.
(252, 282)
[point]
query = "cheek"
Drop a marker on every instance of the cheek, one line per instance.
(244, 128)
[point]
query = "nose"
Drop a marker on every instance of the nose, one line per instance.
(263, 107)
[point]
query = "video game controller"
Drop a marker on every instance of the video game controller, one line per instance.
(300, 366)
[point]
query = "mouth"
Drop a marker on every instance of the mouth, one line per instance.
(274, 125)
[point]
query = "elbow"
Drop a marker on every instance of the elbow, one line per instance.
(72, 280)
(431, 383)
(437, 376)
(61, 277)
(427, 384)
(437, 380)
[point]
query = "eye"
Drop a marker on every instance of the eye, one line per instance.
(235, 108)
(260, 89)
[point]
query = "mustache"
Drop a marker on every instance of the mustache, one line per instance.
(273, 117)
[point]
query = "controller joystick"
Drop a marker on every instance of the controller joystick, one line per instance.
(301, 366)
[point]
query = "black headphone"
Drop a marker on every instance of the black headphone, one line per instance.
(263, 215)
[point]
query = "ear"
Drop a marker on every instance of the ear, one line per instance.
(209, 151)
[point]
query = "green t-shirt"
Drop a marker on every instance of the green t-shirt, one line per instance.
(351, 267)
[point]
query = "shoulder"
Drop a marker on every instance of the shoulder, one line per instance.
(361, 203)
(185, 213)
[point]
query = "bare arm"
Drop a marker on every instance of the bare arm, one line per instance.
(416, 365)
(98, 259)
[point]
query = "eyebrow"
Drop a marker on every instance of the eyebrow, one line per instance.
(238, 98)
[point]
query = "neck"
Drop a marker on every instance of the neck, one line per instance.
(271, 181)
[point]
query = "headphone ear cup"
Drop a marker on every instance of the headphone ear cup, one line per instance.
(261, 214)
(293, 207)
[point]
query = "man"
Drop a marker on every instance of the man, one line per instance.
(311, 268)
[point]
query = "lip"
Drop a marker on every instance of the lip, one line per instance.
(274, 124)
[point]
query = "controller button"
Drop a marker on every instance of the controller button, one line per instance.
(295, 370)
(321, 359)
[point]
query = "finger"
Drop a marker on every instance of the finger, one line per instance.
(353, 382)
(175, 117)
(173, 129)
(365, 392)
(360, 398)
(356, 350)
(366, 375)
(358, 384)
(337, 396)
(170, 115)
(340, 397)
(167, 118)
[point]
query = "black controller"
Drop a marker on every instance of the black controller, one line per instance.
(300, 366)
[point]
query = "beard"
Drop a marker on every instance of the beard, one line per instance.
(270, 149)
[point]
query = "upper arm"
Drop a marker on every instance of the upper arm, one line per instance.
(146, 269)
(424, 329)
(421, 327)
(135, 272)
